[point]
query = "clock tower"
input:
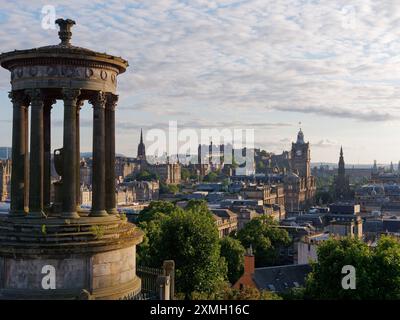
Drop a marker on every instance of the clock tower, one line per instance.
(300, 156)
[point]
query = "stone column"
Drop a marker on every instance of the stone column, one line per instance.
(26, 123)
(111, 103)
(70, 97)
(36, 158)
(78, 156)
(98, 101)
(19, 154)
(48, 103)
(169, 270)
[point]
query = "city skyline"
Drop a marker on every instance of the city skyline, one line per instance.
(331, 66)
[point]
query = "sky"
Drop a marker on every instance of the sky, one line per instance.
(331, 65)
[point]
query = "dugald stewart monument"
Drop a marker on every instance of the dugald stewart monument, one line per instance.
(92, 252)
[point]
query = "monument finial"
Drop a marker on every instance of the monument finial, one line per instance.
(65, 33)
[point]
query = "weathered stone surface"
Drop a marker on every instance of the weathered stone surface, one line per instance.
(27, 273)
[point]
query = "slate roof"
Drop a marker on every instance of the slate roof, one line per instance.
(281, 278)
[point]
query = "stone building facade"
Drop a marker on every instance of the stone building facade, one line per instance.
(300, 185)
(137, 191)
(225, 220)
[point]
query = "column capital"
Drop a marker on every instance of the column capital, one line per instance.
(35, 95)
(79, 104)
(48, 102)
(70, 95)
(98, 99)
(18, 98)
(111, 101)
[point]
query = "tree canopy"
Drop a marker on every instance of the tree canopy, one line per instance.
(377, 270)
(265, 238)
(233, 252)
(190, 238)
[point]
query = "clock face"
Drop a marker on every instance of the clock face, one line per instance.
(298, 152)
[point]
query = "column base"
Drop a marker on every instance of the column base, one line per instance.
(113, 211)
(70, 215)
(98, 213)
(36, 215)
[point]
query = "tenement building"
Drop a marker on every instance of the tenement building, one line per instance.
(91, 253)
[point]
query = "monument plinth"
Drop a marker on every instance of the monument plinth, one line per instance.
(92, 252)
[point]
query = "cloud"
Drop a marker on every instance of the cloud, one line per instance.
(369, 115)
(232, 63)
(325, 143)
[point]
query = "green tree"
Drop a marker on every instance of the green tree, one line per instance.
(325, 281)
(198, 206)
(155, 210)
(226, 292)
(146, 176)
(211, 177)
(185, 174)
(377, 270)
(169, 188)
(260, 166)
(190, 238)
(385, 269)
(265, 238)
(233, 252)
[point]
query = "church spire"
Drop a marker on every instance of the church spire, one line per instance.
(341, 170)
(141, 153)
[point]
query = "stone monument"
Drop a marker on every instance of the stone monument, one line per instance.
(90, 254)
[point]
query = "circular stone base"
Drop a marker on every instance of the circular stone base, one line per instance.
(55, 258)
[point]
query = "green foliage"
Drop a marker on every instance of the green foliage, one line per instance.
(226, 292)
(197, 205)
(377, 270)
(265, 238)
(260, 166)
(233, 252)
(385, 269)
(146, 176)
(185, 174)
(168, 188)
(155, 210)
(211, 177)
(97, 231)
(190, 238)
(294, 294)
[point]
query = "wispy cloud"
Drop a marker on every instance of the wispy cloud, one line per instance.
(368, 115)
(223, 61)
